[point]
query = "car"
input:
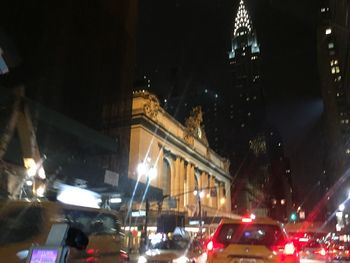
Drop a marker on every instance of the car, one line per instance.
(340, 250)
(251, 240)
(25, 223)
(314, 252)
(175, 248)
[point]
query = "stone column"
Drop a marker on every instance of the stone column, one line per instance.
(228, 197)
(176, 179)
(187, 183)
(161, 174)
(206, 187)
(218, 190)
(213, 188)
(181, 185)
(173, 175)
(191, 186)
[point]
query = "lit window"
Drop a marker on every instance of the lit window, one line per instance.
(328, 31)
(338, 94)
(283, 201)
(333, 70)
(242, 125)
(347, 151)
(206, 91)
(216, 96)
(323, 10)
(330, 45)
(247, 99)
(337, 69)
(249, 114)
(347, 121)
(243, 54)
(279, 144)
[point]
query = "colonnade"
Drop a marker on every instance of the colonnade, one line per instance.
(185, 178)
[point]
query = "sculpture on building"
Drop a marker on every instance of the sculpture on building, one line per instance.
(152, 106)
(194, 127)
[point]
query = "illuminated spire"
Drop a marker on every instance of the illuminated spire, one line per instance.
(242, 21)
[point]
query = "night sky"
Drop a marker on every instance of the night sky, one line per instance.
(184, 44)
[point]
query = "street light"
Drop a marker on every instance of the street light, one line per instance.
(144, 168)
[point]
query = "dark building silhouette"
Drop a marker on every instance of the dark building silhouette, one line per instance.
(333, 64)
(76, 58)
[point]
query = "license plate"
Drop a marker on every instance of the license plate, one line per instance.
(247, 260)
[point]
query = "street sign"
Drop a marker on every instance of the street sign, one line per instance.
(172, 202)
(111, 178)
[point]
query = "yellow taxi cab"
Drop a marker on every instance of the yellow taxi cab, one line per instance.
(251, 240)
(23, 224)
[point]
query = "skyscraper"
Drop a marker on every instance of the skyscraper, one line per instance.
(246, 96)
(333, 61)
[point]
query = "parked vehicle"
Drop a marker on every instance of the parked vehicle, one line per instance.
(25, 223)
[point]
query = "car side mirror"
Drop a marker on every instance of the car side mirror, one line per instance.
(77, 238)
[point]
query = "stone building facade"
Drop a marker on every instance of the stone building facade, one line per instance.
(182, 158)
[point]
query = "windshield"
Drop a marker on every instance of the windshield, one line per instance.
(20, 224)
(170, 244)
(176, 113)
(92, 222)
(267, 235)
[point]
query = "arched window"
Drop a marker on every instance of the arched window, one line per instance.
(166, 177)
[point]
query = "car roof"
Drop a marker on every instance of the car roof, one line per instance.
(51, 204)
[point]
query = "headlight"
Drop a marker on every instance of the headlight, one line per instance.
(181, 259)
(142, 259)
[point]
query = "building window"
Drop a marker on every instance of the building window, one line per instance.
(330, 45)
(334, 62)
(323, 10)
(328, 31)
(335, 70)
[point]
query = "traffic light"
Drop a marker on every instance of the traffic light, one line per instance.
(293, 216)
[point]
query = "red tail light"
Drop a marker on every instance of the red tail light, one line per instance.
(247, 220)
(321, 252)
(288, 249)
(214, 245)
(91, 251)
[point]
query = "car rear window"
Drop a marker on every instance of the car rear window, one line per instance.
(20, 224)
(92, 222)
(251, 234)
